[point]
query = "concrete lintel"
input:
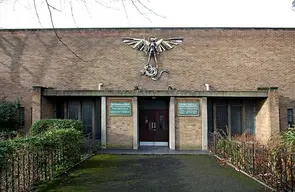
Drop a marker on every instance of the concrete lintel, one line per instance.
(131, 93)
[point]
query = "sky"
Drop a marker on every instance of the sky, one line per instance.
(151, 13)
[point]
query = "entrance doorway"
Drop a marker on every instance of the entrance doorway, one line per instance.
(153, 121)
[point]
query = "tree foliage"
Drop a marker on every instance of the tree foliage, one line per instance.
(8, 114)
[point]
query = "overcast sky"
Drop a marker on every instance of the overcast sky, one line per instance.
(171, 13)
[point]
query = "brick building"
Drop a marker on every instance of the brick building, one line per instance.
(235, 80)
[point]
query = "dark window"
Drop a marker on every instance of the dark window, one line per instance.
(239, 114)
(97, 118)
(250, 116)
(236, 120)
(221, 118)
(210, 116)
(73, 110)
(87, 113)
(21, 113)
(161, 122)
(59, 110)
(290, 117)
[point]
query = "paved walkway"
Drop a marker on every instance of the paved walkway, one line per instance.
(146, 173)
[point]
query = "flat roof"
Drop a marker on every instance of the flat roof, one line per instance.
(153, 28)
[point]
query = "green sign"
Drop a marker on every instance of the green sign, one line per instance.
(120, 108)
(188, 108)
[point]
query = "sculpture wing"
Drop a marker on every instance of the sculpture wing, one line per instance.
(166, 44)
(139, 44)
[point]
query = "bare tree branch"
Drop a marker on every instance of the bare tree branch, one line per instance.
(153, 12)
(58, 37)
(125, 10)
(74, 20)
(52, 7)
(72, 13)
(106, 6)
(139, 5)
(139, 11)
(36, 12)
(2, 63)
(86, 7)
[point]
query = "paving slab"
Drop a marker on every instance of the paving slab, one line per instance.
(153, 173)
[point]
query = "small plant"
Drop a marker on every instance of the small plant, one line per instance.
(289, 137)
(3, 152)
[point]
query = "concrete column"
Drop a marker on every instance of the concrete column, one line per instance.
(204, 124)
(172, 123)
(267, 117)
(273, 97)
(103, 122)
(135, 122)
(36, 103)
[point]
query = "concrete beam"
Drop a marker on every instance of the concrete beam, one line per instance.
(132, 93)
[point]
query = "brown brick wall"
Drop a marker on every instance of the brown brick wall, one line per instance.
(227, 59)
(119, 128)
(188, 130)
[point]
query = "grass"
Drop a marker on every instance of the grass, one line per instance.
(151, 173)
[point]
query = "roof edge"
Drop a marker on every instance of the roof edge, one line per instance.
(150, 28)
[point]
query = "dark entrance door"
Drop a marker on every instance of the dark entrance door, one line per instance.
(154, 123)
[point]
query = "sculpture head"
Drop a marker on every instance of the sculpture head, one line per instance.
(152, 39)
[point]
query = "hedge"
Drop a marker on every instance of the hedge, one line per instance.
(67, 141)
(46, 124)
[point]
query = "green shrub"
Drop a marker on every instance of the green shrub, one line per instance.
(288, 138)
(8, 114)
(65, 142)
(46, 124)
(3, 150)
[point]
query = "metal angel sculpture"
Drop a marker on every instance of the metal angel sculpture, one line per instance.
(152, 48)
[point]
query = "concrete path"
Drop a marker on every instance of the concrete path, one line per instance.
(146, 173)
